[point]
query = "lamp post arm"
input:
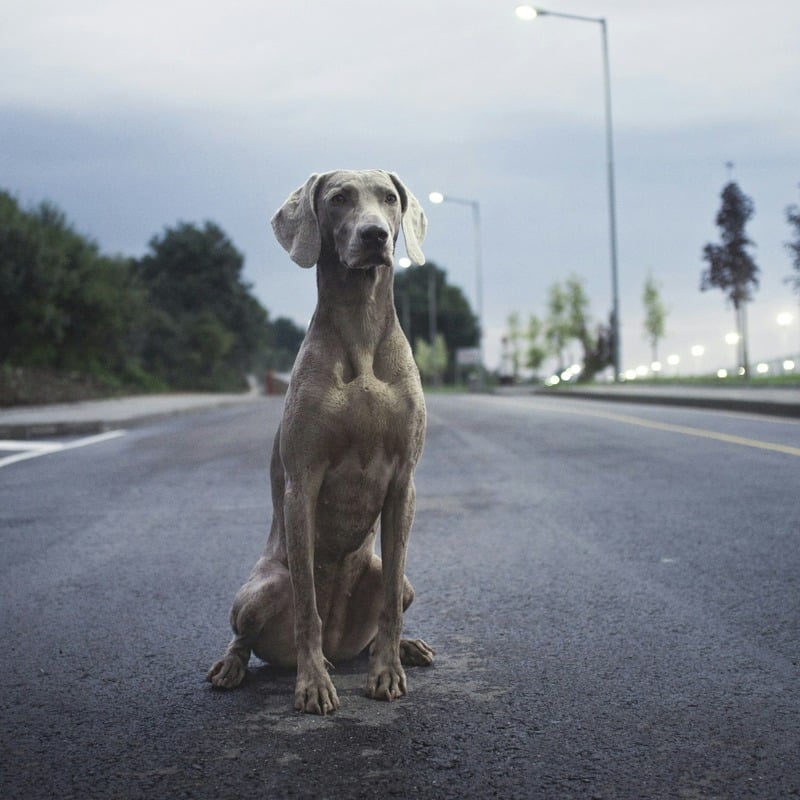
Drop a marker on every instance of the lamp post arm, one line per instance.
(542, 13)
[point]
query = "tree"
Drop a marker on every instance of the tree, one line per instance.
(515, 342)
(285, 338)
(578, 313)
(601, 354)
(536, 353)
(793, 218)
(568, 318)
(431, 360)
(655, 315)
(206, 330)
(558, 330)
(455, 319)
(731, 268)
(64, 305)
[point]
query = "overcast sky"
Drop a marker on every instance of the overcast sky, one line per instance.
(134, 116)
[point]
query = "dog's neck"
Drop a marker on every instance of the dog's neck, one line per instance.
(357, 306)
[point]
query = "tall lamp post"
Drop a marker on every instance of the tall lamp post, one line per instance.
(527, 12)
(438, 197)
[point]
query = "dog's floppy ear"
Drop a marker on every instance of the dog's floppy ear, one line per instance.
(414, 221)
(296, 226)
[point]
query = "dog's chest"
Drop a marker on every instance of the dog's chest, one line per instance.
(375, 433)
(379, 417)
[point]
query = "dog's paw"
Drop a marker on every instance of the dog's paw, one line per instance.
(415, 653)
(227, 673)
(315, 693)
(386, 682)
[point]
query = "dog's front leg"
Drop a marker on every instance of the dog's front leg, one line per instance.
(387, 679)
(314, 690)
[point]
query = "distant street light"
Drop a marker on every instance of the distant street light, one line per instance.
(438, 197)
(673, 360)
(697, 352)
(527, 12)
(784, 319)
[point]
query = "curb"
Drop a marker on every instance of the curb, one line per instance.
(760, 406)
(34, 430)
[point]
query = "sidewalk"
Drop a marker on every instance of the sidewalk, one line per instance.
(97, 416)
(772, 400)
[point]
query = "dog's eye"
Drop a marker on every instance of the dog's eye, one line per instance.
(391, 198)
(338, 199)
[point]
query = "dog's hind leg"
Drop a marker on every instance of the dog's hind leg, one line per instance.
(230, 670)
(261, 618)
(413, 652)
(416, 653)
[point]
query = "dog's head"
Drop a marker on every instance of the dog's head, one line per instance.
(355, 214)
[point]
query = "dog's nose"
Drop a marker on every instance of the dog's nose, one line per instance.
(373, 234)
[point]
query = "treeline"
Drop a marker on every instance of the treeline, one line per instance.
(426, 303)
(181, 317)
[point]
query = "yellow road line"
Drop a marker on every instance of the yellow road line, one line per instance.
(686, 431)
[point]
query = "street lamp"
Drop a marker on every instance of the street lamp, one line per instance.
(697, 351)
(784, 319)
(527, 12)
(438, 197)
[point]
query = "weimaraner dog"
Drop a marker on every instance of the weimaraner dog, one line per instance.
(344, 456)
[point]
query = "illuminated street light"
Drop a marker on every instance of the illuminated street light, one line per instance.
(527, 12)
(784, 319)
(731, 338)
(438, 197)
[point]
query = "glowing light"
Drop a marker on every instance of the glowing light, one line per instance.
(641, 371)
(404, 262)
(731, 338)
(784, 318)
(630, 375)
(673, 360)
(526, 12)
(788, 365)
(436, 197)
(698, 350)
(656, 366)
(722, 373)
(762, 368)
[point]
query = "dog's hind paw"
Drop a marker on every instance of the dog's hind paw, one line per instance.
(227, 673)
(415, 653)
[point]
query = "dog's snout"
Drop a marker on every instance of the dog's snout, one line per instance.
(373, 234)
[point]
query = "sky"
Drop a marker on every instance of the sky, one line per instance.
(132, 117)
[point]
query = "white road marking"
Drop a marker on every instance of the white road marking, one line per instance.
(36, 449)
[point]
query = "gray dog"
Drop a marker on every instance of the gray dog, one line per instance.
(344, 456)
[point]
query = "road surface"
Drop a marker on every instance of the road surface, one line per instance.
(613, 592)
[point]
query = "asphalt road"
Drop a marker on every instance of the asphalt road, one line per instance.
(613, 592)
